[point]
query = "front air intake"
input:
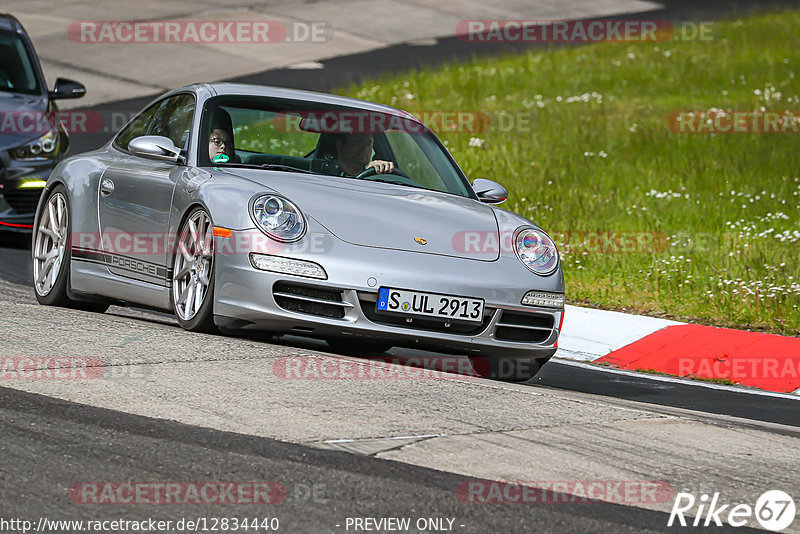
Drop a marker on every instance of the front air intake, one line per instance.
(310, 300)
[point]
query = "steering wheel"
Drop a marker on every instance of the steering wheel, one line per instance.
(397, 172)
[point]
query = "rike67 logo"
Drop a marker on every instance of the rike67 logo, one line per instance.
(774, 510)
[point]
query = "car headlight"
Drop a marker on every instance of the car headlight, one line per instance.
(42, 148)
(536, 251)
(279, 218)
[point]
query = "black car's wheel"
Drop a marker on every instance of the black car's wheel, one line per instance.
(52, 255)
(357, 346)
(192, 287)
(506, 368)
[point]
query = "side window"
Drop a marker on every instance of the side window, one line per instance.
(171, 118)
(138, 127)
(174, 119)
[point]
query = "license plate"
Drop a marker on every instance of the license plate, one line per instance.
(406, 302)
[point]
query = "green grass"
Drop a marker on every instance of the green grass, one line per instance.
(599, 157)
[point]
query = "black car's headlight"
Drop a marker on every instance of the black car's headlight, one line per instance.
(45, 147)
(279, 218)
(536, 250)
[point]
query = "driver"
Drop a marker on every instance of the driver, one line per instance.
(354, 152)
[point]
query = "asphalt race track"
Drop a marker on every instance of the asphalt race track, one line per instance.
(73, 441)
(174, 406)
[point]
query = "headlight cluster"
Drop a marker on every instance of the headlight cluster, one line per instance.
(536, 251)
(279, 218)
(42, 148)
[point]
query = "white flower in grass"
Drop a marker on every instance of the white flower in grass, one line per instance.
(476, 142)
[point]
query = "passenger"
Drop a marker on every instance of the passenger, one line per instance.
(354, 152)
(220, 141)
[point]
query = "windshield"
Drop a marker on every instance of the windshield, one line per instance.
(17, 71)
(307, 137)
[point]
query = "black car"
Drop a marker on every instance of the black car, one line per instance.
(32, 139)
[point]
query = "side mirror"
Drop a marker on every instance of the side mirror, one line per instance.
(489, 192)
(155, 147)
(65, 88)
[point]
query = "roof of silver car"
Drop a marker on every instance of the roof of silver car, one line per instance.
(243, 89)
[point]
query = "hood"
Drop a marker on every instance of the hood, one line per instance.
(374, 214)
(18, 116)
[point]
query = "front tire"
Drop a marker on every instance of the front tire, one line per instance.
(192, 287)
(52, 256)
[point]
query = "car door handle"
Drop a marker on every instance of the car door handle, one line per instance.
(106, 187)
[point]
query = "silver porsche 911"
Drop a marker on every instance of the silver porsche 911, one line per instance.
(241, 207)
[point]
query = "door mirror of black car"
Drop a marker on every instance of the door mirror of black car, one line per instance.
(489, 192)
(65, 88)
(155, 147)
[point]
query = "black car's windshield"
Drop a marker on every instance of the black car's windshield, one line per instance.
(301, 136)
(17, 71)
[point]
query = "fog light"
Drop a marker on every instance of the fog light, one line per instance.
(277, 264)
(32, 183)
(541, 298)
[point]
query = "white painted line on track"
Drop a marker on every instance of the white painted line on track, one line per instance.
(421, 436)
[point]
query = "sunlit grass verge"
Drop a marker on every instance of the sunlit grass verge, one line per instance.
(721, 210)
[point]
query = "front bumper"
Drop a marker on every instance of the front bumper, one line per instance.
(344, 304)
(18, 200)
